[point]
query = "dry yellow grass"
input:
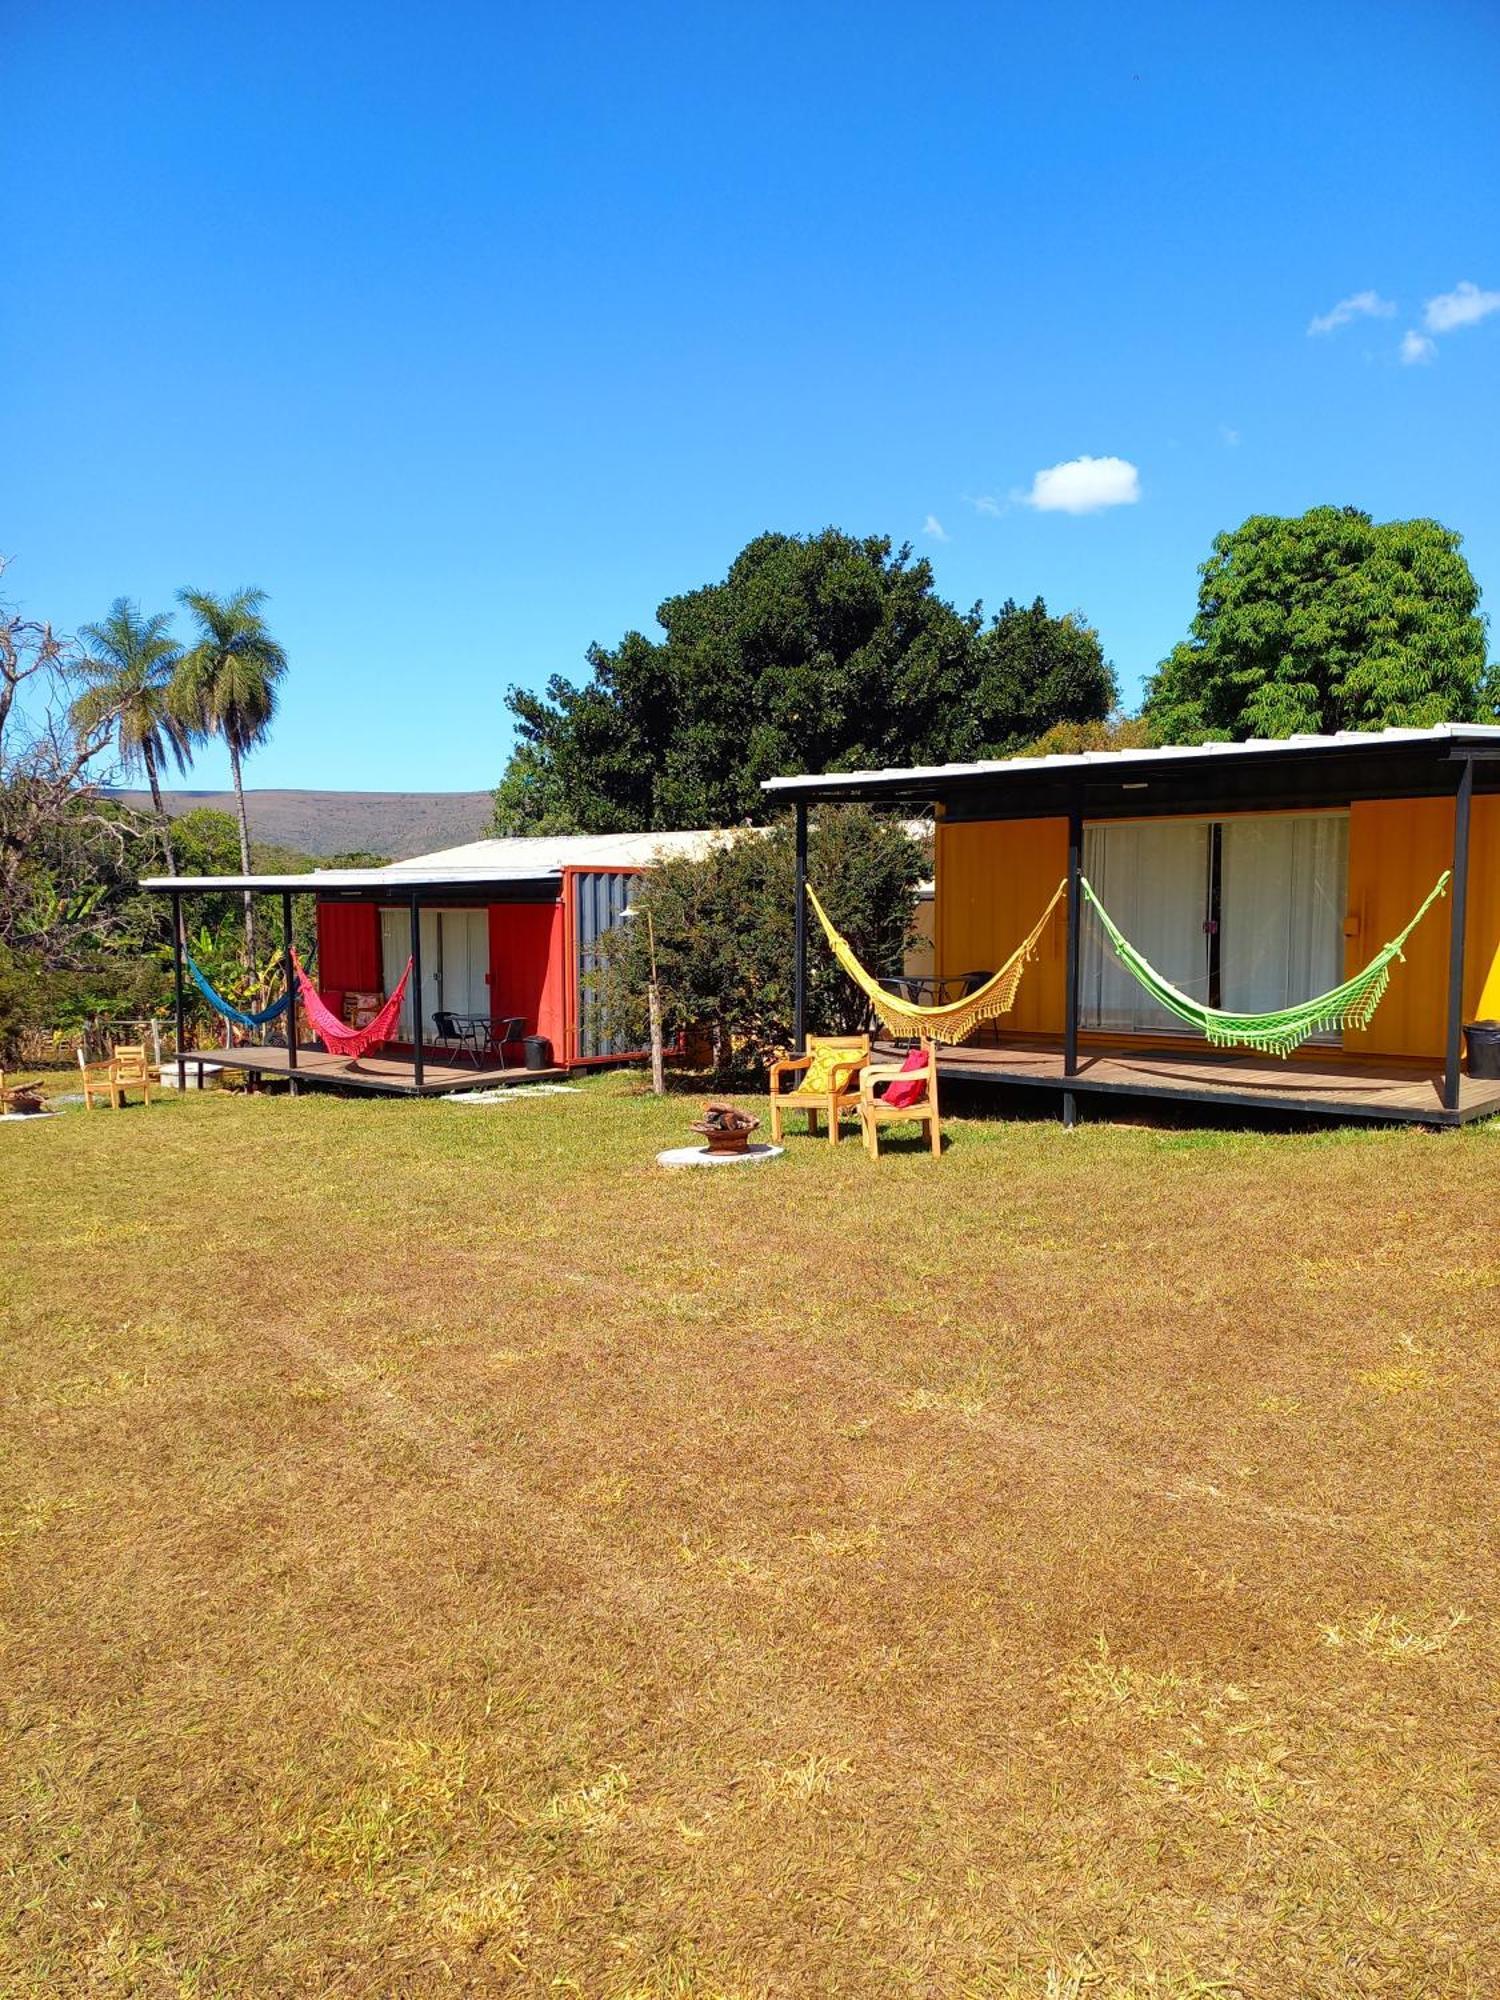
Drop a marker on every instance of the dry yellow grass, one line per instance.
(444, 1554)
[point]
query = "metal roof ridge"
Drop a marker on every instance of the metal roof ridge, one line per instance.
(1080, 759)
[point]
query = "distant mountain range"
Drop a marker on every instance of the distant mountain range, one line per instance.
(395, 824)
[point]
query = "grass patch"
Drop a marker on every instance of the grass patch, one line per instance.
(442, 1552)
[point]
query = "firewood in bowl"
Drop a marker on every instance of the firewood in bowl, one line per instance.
(726, 1128)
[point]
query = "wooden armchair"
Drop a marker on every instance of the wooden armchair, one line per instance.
(827, 1086)
(98, 1081)
(127, 1069)
(914, 1087)
(132, 1070)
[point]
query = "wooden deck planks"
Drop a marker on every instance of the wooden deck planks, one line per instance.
(389, 1075)
(1326, 1084)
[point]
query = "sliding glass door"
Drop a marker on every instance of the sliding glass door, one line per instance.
(1282, 902)
(455, 963)
(1153, 878)
(1245, 913)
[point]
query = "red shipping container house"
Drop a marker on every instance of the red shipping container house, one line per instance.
(497, 931)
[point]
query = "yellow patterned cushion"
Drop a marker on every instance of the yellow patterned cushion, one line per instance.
(817, 1078)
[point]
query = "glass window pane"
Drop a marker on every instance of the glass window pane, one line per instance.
(1152, 877)
(1282, 904)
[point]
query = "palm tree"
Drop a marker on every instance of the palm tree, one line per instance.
(226, 686)
(128, 666)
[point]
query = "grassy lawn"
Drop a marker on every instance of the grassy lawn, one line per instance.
(446, 1554)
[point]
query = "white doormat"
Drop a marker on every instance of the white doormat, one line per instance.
(506, 1092)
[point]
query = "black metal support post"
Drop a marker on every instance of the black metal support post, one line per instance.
(179, 1010)
(799, 973)
(415, 989)
(291, 987)
(1458, 895)
(1075, 919)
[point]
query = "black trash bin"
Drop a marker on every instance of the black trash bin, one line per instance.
(1483, 1038)
(538, 1052)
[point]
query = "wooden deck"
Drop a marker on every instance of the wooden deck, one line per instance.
(1324, 1084)
(388, 1075)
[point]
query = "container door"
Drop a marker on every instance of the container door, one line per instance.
(465, 962)
(1284, 891)
(395, 950)
(1153, 878)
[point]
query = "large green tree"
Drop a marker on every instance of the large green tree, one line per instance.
(126, 666)
(723, 929)
(226, 685)
(1322, 621)
(820, 652)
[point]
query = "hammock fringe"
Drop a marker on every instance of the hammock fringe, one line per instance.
(336, 1035)
(1278, 1033)
(958, 1019)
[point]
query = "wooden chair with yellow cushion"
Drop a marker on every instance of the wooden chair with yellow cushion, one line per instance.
(889, 1091)
(827, 1082)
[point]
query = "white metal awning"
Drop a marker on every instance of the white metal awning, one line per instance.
(400, 881)
(906, 778)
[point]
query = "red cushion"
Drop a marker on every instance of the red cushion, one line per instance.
(900, 1095)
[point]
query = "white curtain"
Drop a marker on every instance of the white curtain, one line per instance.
(1152, 877)
(455, 963)
(465, 967)
(1283, 892)
(395, 950)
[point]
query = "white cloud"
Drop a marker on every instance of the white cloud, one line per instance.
(1083, 485)
(986, 503)
(1416, 348)
(1358, 305)
(1465, 305)
(1229, 435)
(934, 527)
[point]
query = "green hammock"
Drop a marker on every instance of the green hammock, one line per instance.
(1348, 1006)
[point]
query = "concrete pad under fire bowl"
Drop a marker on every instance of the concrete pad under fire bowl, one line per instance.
(700, 1156)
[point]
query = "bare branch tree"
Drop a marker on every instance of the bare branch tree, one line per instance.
(50, 781)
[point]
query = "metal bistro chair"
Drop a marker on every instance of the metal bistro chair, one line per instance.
(509, 1028)
(458, 1033)
(931, 989)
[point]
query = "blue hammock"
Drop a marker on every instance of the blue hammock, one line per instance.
(227, 1008)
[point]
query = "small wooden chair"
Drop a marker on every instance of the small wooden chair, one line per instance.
(132, 1069)
(829, 1085)
(875, 1108)
(127, 1069)
(98, 1081)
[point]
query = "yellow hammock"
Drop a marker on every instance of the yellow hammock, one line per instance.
(958, 1020)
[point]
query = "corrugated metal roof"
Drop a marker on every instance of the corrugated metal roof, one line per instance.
(1346, 739)
(549, 853)
(539, 859)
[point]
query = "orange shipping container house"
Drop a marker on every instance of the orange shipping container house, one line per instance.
(1249, 877)
(502, 936)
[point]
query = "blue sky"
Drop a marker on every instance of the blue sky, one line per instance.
(471, 332)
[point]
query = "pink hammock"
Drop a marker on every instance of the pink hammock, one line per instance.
(336, 1035)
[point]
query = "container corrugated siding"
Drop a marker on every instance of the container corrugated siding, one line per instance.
(993, 874)
(600, 899)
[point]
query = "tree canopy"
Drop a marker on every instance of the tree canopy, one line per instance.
(1323, 621)
(126, 670)
(820, 652)
(226, 685)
